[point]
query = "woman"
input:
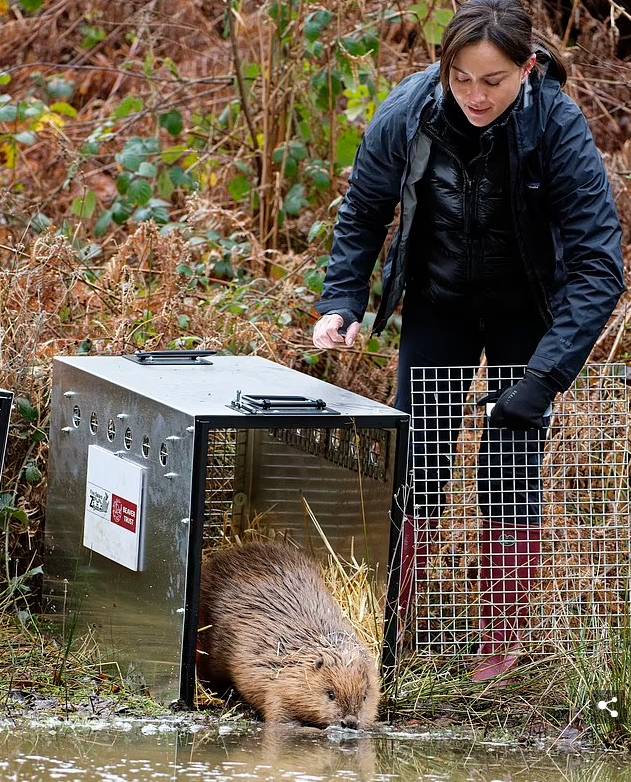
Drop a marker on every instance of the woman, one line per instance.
(508, 242)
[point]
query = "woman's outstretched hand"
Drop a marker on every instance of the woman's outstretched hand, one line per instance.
(326, 332)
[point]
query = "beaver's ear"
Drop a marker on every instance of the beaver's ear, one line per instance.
(318, 663)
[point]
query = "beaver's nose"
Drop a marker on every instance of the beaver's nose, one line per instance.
(349, 722)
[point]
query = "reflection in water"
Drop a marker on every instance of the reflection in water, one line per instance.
(139, 753)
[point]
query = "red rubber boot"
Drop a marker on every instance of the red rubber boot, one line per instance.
(511, 556)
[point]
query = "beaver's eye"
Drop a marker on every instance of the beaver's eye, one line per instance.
(331, 695)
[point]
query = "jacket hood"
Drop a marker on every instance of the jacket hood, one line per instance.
(548, 66)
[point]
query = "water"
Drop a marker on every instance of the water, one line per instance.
(135, 751)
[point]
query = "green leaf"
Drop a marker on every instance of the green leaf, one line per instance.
(26, 409)
(5, 78)
(297, 150)
(314, 280)
(61, 107)
(251, 71)
(121, 212)
(310, 358)
(346, 147)
(84, 206)
(129, 105)
(32, 473)
(318, 231)
(8, 113)
(435, 26)
(156, 212)
(419, 10)
(320, 83)
(150, 146)
(30, 6)
(291, 166)
(318, 171)
(90, 149)
(354, 45)
(136, 151)
(171, 67)
(171, 154)
(85, 347)
(295, 200)
(26, 137)
(139, 192)
(316, 23)
(179, 177)
(374, 345)
(184, 322)
(148, 63)
(315, 50)
(60, 88)
(92, 36)
(371, 41)
(147, 170)
(103, 223)
(129, 159)
(239, 187)
(32, 110)
(165, 185)
(122, 182)
(172, 122)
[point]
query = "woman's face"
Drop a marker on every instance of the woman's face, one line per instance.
(484, 81)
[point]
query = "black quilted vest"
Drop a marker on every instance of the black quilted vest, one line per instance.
(463, 232)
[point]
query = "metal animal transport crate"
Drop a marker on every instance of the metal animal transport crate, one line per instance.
(156, 455)
(6, 399)
(568, 484)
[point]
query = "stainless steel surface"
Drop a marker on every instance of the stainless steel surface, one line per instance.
(352, 508)
(148, 415)
(139, 615)
(205, 390)
(6, 399)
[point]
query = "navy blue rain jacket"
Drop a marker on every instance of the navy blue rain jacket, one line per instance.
(565, 219)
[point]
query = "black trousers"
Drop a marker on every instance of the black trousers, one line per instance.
(449, 345)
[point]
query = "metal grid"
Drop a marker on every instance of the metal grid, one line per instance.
(226, 457)
(520, 539)
(346, 447)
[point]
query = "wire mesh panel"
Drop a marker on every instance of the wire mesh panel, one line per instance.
(520, 539)
(263, 476)
(348, 447)
(226, 456)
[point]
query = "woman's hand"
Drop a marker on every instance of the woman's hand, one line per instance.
(326, 332)
(524, 405)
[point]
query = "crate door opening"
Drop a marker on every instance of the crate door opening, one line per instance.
(324, 488)
(263, 480)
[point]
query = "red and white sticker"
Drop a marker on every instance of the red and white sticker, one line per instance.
(112, 522)
(124, 513)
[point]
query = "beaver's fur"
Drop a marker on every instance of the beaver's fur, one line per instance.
(270, 628)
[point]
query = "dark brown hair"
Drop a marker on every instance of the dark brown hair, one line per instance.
(504, 23)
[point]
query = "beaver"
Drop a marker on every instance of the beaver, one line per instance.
(270, 628)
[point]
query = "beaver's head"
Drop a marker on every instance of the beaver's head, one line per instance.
(332, 686)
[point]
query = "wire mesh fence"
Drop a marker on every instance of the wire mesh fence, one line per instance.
(520, 538)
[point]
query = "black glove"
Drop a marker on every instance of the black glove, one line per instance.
(522, 406)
